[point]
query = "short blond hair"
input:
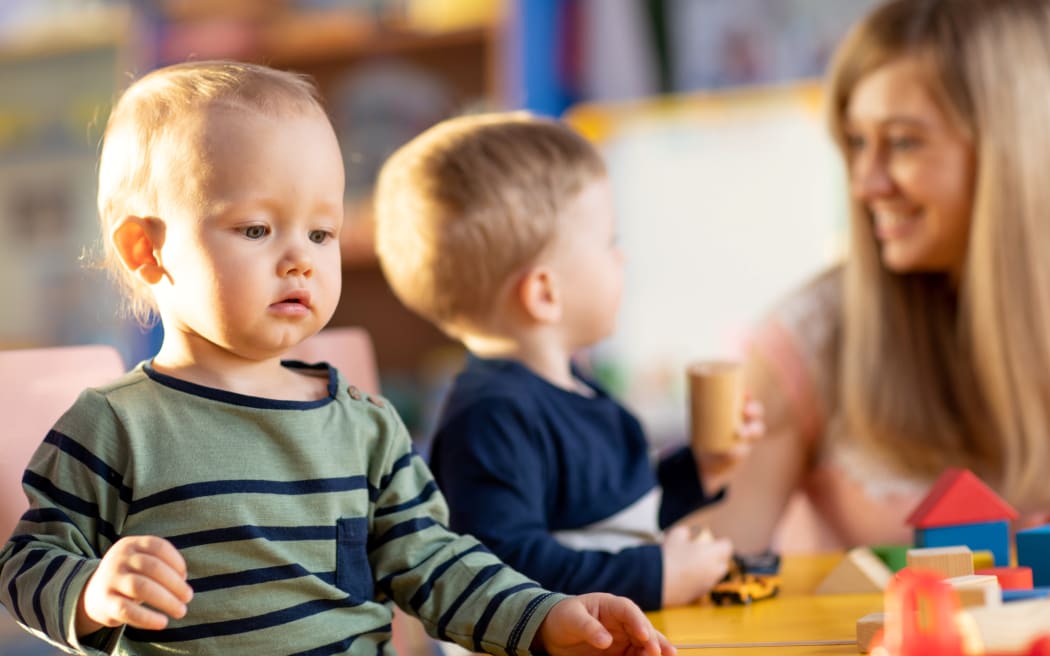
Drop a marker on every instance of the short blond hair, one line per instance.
(143, 128)
(469, 203)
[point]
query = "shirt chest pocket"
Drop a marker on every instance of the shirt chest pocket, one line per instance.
(353, 574)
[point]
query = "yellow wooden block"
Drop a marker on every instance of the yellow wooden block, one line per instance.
(983, 560)
(947, 561)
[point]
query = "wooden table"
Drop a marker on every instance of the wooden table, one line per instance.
(795, 615)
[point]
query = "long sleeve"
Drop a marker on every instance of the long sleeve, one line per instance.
(74, 515)
(298, 521)
(683, 490)
(499, 481)
(457, 587)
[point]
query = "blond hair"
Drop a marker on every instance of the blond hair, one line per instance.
(141, 140)
(470, 202)
(936, 374)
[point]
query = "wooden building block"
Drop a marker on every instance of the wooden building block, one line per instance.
(947, 561)
(1010, 578)
(1009, 628)
(867, 627)
(983, 559)
(960, 497)
(987, 536)
(1033, 550)
(859, 572)
(1021, 595)
(894, 555)
(977, 590)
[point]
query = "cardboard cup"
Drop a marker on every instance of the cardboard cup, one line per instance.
(715, 398)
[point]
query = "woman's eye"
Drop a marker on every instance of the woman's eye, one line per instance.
(904, 143)
(854, 142)
(319, 236)
(255, 231)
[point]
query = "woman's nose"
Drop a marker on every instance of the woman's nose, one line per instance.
(869, 175)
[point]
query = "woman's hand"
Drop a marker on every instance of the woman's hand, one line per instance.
(717, 468)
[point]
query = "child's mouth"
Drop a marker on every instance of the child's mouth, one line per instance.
(296, 303)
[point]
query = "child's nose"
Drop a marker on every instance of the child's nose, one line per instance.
(296, 262)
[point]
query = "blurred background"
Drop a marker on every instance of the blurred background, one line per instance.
(708, 111)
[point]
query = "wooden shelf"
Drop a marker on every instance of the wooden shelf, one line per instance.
(322, 38)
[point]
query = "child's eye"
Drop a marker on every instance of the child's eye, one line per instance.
(255, 231)
(319, 236)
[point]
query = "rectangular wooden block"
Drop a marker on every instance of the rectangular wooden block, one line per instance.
(977, 590)
(947, 561)
(867, 627)
(1033, 550)
(1026, 594)
(985, 536)
(983, 559)
(1010, 628)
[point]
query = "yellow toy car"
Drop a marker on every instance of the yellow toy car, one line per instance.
(745, 588)
(740, 586)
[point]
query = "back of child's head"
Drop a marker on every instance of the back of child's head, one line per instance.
(144, 153)
(470, 203)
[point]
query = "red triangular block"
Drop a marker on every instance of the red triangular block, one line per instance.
(959, 497)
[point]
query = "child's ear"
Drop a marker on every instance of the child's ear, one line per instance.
(539, 295)
(138, 241)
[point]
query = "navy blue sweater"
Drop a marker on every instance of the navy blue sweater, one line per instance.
(519, 458)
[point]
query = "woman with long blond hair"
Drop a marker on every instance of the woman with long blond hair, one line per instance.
(930, 347)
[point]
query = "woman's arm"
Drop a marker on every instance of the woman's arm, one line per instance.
(761, 486)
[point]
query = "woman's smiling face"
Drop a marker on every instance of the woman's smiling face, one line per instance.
(912, 168)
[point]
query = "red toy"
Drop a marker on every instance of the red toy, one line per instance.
(920, 620)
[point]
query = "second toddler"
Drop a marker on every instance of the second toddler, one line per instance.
(500, 230)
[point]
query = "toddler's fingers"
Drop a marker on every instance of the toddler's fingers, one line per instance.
(679, 533)
(127, 611)
(666, 648)
(164, 551)
(630, 617)
(588, 624)
(720, 548)
(160, 571)
(140, 589)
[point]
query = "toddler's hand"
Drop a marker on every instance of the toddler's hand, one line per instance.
(136, 572)
(718, 467)
(599, 623)
(692, 565)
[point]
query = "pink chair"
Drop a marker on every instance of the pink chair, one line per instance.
(36, 387)
(348, 349)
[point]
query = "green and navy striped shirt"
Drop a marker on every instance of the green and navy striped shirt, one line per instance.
(300, 522)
